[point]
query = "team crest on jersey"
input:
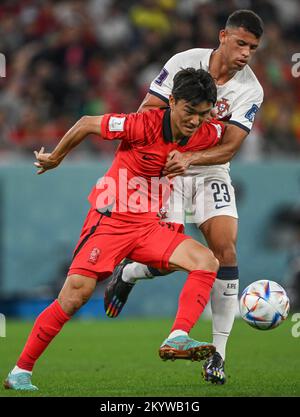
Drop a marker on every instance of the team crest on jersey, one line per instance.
(94, 255)
(161, 77)
(251, 113)
(222, 107)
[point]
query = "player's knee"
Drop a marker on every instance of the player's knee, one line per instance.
(70, 304)
(211, 262)
(74, 295)
(205, 260)
(226, 253)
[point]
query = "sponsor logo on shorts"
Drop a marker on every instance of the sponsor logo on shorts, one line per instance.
(94, 255)
(218, 206)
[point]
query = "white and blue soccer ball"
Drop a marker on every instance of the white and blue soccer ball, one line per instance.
(264, 304)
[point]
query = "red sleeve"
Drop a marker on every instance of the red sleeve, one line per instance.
(209, 135)
(215, 132)
(127, 127)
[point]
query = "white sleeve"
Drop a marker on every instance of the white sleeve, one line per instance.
(244, 111)
(162, 85)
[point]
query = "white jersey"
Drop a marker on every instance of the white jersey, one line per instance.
(238, 100)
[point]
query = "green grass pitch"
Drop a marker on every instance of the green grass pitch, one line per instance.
(118, 358)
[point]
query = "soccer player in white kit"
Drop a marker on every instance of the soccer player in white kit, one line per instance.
(240, 96)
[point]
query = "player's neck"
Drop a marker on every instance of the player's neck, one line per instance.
(219, 69)
(177, 136)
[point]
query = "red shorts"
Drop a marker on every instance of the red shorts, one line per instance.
(104, 242)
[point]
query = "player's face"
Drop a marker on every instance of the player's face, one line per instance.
(238, 46)
(186, 118)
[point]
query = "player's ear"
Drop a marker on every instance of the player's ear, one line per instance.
(171, 102)
(222, 35)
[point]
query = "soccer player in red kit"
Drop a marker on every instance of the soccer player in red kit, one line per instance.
(123, 220)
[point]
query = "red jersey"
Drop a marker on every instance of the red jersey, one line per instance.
(134, 183)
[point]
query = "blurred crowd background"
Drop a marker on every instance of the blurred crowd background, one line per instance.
(69, 58)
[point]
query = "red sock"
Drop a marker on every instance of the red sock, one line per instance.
(45, 328)
(193, 299)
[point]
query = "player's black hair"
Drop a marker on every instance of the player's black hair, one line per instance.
(194, 86)
(248, 20)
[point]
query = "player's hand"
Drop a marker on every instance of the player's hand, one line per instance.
(44, 161)
(176, 164)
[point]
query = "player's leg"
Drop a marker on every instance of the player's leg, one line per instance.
(131, 272)
(219, 226)
(97, 238)
(221, 235)
(167, 248)
(75, 292)
(202, 266)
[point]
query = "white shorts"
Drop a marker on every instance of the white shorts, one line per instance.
(197, 198)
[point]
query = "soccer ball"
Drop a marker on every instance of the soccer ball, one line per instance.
(264, 304)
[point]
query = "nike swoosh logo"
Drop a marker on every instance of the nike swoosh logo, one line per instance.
(225, 205)
(228, 295)
(147, 158)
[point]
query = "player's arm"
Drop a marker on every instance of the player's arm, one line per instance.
(161, 87)
(152, 102)
(177, 163)
(85, 126)
(231, 142)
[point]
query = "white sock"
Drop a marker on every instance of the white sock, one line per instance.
(18, 370)
(176, 333)
(224, 304)
(135, 271)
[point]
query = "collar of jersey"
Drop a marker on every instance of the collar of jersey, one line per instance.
(167, 132)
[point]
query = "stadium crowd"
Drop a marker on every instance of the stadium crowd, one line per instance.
(73, 57)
